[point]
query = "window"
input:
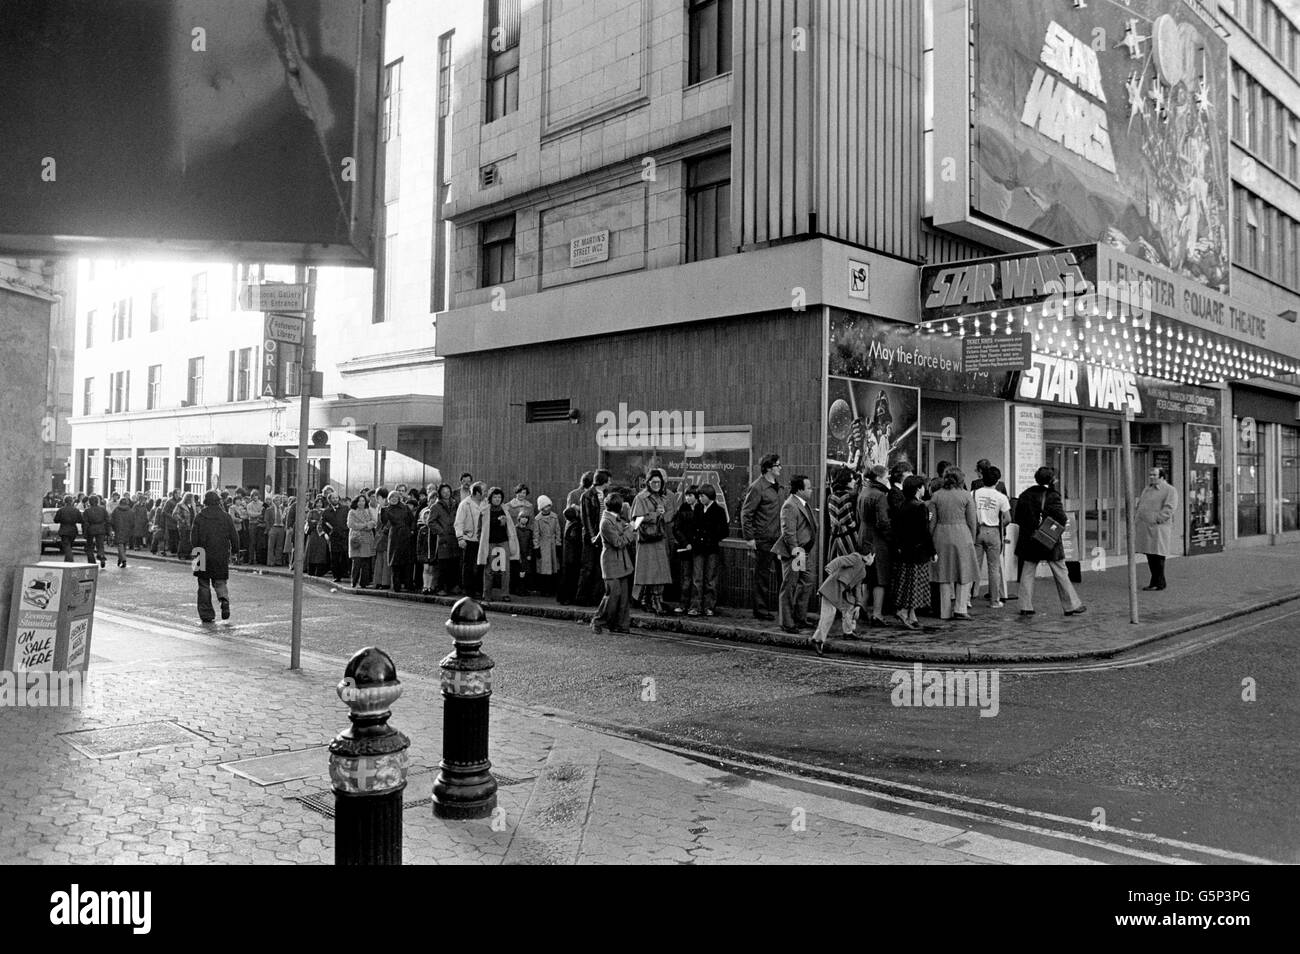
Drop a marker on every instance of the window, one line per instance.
(93, 474)
(120, 388)
(441, 278)
(390, 129)
(503, 58)
(1290, 489)
(444, 75)
(121, 319)
(195, 475)
(1250, 480)
(199, 296)
(497, 241)
(155, 310)
(708, 207)
(240, 384)
(118, 469)
(88, 397)
(1235, 89)
(246, 273)
(194, 385)
(90, 328)
(710, 39)
(1265, 238)
(153, 397)
(153, 475)
(390, 115)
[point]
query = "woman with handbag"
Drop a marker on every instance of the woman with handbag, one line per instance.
(1041, 517)
(652, 515)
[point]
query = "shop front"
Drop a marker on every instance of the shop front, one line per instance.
(1266, 463)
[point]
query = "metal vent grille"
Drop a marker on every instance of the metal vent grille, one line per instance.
(488, 176)
(542, 412)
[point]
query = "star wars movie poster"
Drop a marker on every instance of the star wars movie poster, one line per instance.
(1105, 122)
(870, 422)
(1204, 525)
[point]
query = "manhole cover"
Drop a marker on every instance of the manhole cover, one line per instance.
(137, 737)
(283, 767)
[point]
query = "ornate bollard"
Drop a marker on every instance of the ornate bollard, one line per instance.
(368, 765)
(465, 787)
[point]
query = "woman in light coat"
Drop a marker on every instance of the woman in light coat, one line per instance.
(955, 525)
(546, 544)
(652, 516)
(361, 541)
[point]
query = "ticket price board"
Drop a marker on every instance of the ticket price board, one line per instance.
(51, 618)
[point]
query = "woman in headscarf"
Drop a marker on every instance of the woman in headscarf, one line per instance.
(652, 515)
(446, 555)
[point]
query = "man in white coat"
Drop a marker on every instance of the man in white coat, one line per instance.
(1154, 520)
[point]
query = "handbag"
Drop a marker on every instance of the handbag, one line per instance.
(651, 528)
(1048, 534)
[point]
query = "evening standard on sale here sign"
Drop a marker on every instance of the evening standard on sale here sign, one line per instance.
(997, 352)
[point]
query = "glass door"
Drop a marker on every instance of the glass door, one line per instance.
(1101, 516)
(1067, 461)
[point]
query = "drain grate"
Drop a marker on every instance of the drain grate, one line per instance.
(322, 803)
(511, 780)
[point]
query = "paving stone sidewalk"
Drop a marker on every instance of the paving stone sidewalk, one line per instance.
(182, 707)
(1202, 590)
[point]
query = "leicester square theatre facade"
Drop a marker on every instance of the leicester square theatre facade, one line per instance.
(1095, 151)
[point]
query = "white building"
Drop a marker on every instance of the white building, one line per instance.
(171, 373)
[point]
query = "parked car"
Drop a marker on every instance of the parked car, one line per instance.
(50, 530)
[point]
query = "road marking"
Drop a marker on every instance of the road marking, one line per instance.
(761, 763)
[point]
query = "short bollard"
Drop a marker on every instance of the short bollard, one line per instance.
(368, 765)
(465, 787)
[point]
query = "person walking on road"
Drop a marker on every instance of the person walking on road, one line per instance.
(123, 521)
(794, 548)
(760, 522)
(1154, 521)
(69, 520)
(184, 515)
(913, 551)
(214, 538)
(94, 521)
(616, 538)
(1043, 500)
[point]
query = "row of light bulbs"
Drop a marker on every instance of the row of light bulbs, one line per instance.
(1186, 356)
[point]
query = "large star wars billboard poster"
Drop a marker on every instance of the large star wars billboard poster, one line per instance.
(1105, 122)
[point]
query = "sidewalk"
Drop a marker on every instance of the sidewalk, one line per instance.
(1203, 590)
(160, 786)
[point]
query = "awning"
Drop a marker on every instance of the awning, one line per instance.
(1096, 304)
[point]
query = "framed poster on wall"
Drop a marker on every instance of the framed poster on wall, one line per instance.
(871, 422)
(1201, 497)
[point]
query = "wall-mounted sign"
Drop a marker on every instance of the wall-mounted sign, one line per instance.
(997, 352)
(1202, 498)
(1005, 281)
(859, 279)
(875, 349)
(273, 297)
(286, 328)
(589, 249)
(1076, 384)
(1125, 138)
(1030, 454)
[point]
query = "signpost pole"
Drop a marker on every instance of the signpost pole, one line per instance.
(308, 362)
(1126, 486)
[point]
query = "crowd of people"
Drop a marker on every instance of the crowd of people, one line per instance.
(891, 534)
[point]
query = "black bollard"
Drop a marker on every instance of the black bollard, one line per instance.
(465, 787)
(368, 765)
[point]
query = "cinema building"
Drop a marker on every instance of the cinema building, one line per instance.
(804, 225)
